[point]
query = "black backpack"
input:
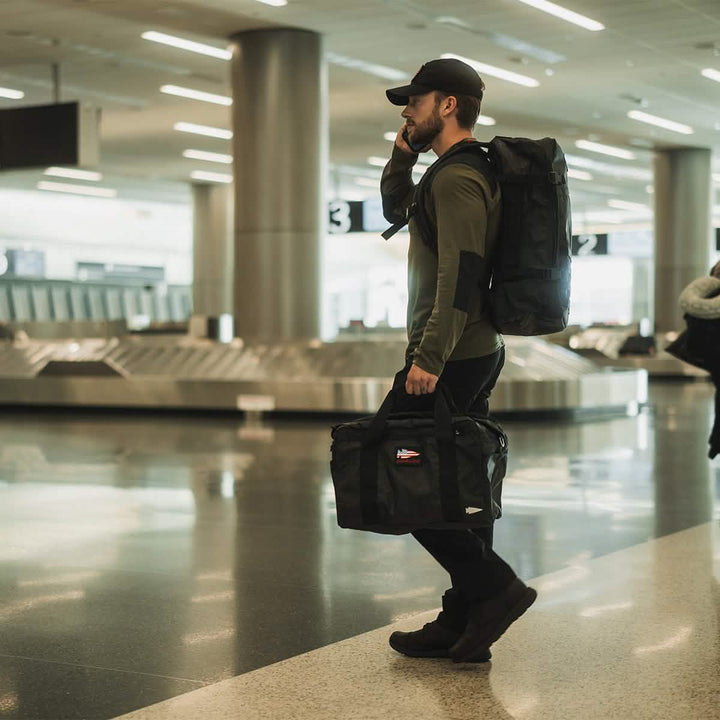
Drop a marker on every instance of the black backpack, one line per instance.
(529, 291)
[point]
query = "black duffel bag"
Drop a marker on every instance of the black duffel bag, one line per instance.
(394, 473)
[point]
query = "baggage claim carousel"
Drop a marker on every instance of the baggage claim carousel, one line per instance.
(347, 376)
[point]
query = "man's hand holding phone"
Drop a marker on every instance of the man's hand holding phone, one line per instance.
(404, 142)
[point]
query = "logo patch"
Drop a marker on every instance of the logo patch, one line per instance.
(408, 456)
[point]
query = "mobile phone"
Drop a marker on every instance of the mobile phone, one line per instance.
(415, 147)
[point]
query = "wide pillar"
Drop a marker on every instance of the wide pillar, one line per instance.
(279, 114)
(683, 225)
(212, 250)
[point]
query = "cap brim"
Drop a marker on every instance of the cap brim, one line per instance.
(400, 95)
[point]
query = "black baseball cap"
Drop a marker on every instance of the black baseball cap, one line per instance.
(447, 74)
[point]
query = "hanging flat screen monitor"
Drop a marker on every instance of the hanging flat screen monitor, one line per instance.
(44, 135)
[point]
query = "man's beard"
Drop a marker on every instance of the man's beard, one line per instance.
(426, 132)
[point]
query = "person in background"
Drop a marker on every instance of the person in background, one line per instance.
(699, 344)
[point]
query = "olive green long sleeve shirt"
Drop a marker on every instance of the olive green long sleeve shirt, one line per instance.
(447, 316)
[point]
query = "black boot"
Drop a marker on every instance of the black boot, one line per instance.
(489, 619)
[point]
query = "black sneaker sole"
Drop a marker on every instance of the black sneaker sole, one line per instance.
(473, 644)
(437, 653)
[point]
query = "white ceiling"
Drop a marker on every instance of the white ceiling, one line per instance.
(649, 57)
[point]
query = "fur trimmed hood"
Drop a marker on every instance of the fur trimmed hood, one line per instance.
(696, 299)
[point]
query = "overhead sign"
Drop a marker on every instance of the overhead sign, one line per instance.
(346, 216)
(351, 216)
(589, 244)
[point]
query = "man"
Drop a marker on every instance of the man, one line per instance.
(451, 338)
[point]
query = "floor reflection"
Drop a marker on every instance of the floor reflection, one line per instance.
(142, 556)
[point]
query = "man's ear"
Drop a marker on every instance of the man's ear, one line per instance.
(449, 104)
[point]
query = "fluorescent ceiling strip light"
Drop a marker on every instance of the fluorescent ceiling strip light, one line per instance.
(74, 174)
(183, 44)
(77, 189)
(624, 205)
(711, 74)
(579, 175)
(716, 177)
(605, 149)
(196, 94)
(486, 120)
(211, 176)
(390, 136)
(387, 73)
(565, 14)
(203, 130)
(274, 3)
(496, 71)
(660, 122)
(208, 156)
(11, 94)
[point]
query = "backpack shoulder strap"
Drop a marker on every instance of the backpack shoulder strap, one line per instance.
(471, 154)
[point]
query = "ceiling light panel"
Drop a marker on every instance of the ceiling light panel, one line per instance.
(77, 189)
(208, 156)
(496, 72)
(579, 175)
(74, 174)
(711, 74)
(211, 176)
(605, 149)
(565, 14)
(660, 122)
(11, 94)
(191, 46)
(196, 94)
(486, 120)
(624, 205)
(274, 3)
(206, 130)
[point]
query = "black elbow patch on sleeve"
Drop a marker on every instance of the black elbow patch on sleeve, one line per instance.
(470, 272)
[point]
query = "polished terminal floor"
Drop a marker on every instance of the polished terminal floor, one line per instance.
(187, 566)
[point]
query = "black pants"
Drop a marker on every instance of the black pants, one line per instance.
(476, 571)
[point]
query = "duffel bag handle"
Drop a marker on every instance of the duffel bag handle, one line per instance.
(443, 407)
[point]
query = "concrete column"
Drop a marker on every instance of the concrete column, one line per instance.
(683, 225)
(212, 250)
(279, 81)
